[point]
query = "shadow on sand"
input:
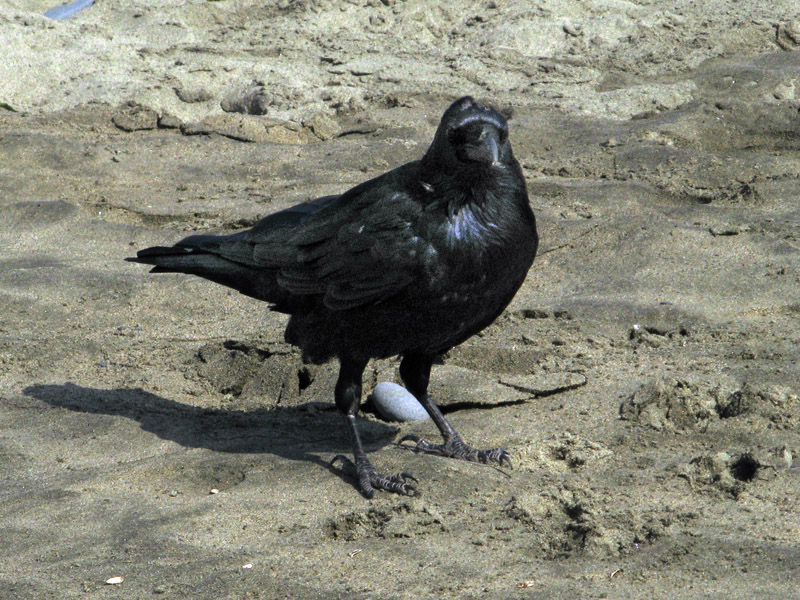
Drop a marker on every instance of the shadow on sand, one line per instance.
(296, 433)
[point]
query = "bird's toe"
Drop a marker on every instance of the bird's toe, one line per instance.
(495, 455)
(456, 448)
(398, 483)
(369, 479)
(422, 446)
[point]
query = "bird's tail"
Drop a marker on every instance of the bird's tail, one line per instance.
(189, 256)
(177, 259)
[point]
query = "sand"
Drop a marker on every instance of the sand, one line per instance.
(158, 429)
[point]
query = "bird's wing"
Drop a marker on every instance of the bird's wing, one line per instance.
(264, 246)
(365, 260)
(358, 250)
(354, 249)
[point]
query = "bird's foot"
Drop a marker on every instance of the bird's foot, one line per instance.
(369, 479)
(454, 447)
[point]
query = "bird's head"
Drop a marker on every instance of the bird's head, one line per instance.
(470, 136)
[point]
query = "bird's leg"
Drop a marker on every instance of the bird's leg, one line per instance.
(348, 398)
(416, 371)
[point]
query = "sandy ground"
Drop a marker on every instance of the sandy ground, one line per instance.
(645, 379)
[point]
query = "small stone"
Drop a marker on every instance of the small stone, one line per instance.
(396, 403)
(323, 126)
(135, 117)
(193, 95)
(252, 101)
(169, 121)
(786, 90)
(786, 457)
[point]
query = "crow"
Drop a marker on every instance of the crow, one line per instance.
(410, 264)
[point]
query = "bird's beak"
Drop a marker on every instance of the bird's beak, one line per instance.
(493, 147)
(486, 149)
(490, 145)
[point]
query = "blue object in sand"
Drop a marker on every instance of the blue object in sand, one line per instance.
(65, 11)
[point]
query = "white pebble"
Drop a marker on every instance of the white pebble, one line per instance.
(114, 580)
(396, 403)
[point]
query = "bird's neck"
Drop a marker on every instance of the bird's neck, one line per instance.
(468, 222)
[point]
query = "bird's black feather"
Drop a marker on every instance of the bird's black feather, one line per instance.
(410, 263)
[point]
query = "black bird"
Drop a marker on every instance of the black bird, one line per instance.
(410, 263)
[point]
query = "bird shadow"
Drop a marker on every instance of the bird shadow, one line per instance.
(296, 432)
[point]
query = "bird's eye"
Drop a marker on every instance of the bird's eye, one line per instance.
(457, 136)
(470, 133)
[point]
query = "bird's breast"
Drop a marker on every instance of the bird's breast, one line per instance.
(473, 262)
(464, 227)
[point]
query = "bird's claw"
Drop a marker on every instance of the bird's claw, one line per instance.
(370, 479)
(456, 448)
